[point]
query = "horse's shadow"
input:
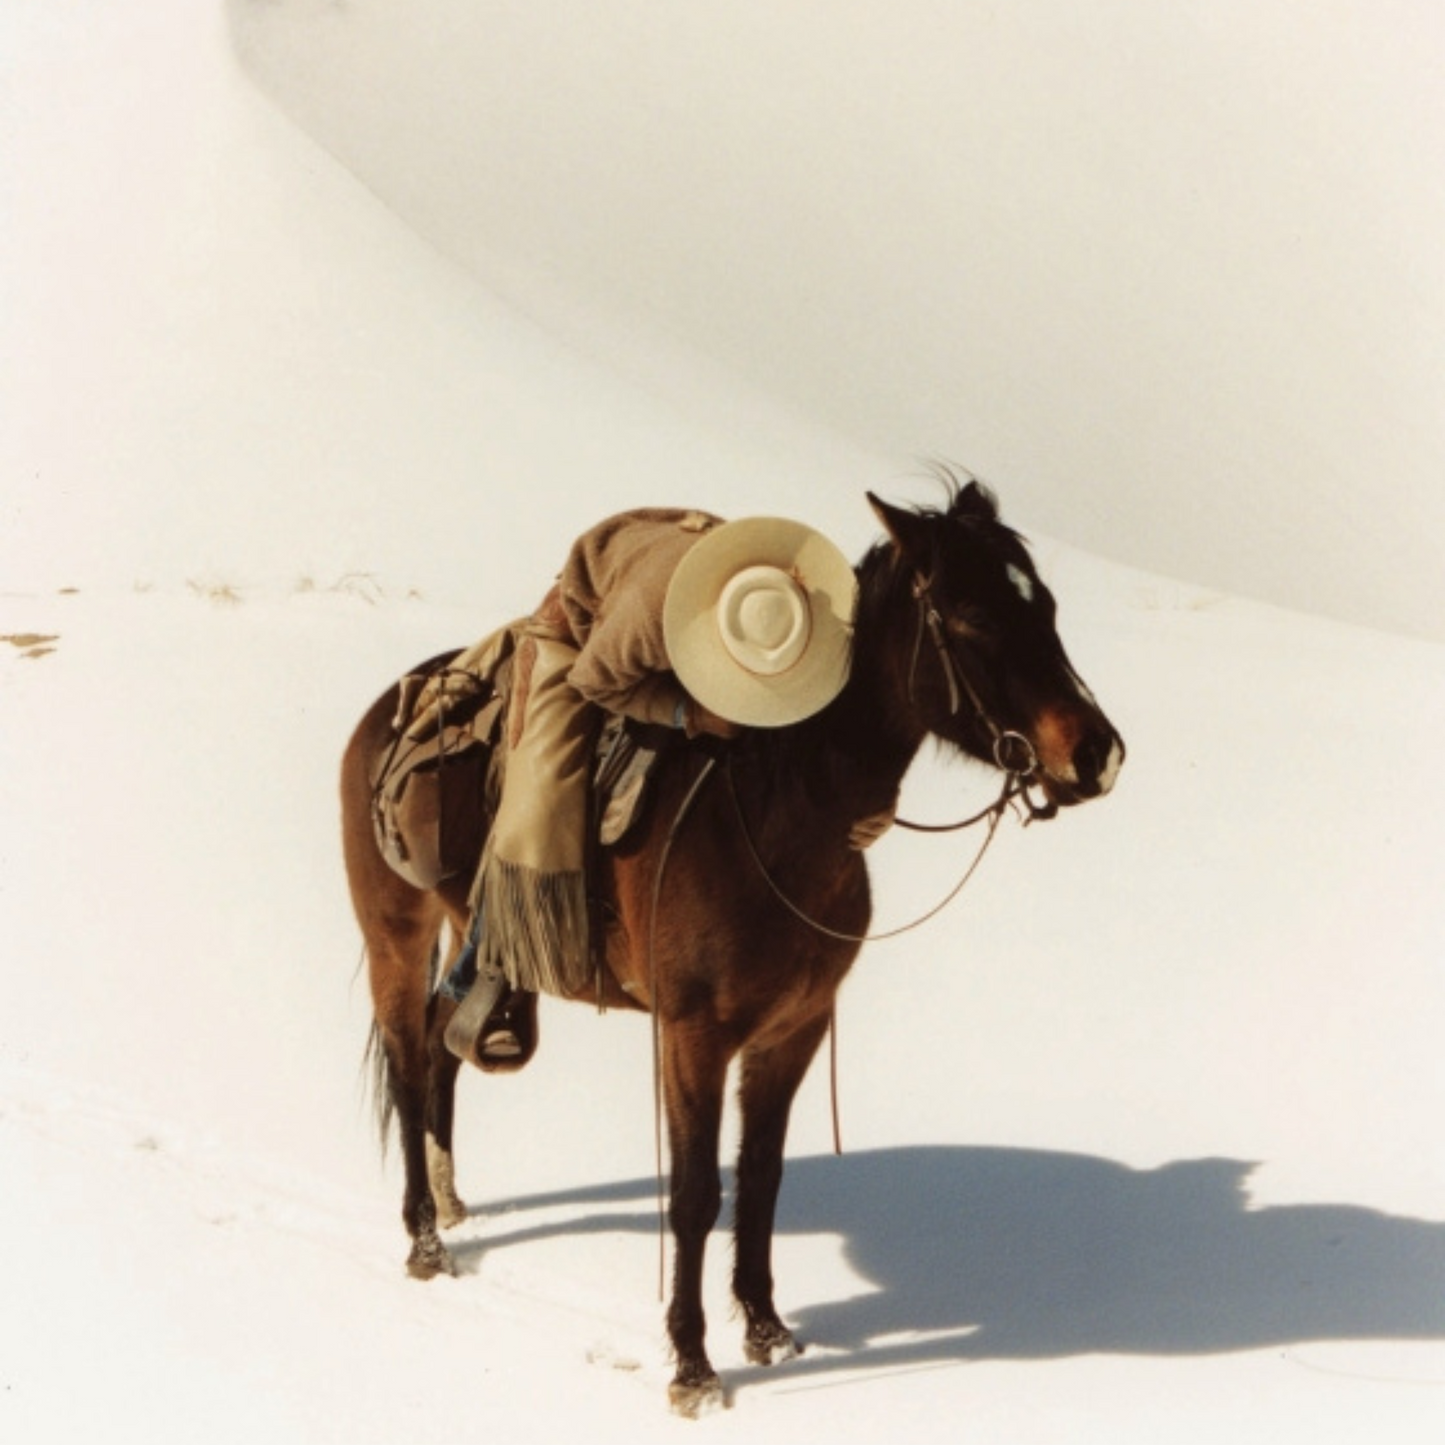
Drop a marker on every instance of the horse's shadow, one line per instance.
(1016, 1254)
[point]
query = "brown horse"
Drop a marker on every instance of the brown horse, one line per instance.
(954, 637)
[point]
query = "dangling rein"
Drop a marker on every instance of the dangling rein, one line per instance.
(1015, 786)
(1015, 757)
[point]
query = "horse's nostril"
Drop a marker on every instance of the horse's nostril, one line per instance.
(1099, 755)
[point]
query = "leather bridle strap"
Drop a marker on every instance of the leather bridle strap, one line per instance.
(1013, 753)
(930, 617)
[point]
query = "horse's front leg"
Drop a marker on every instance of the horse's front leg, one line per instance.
(695, 1063)
(770, 1079)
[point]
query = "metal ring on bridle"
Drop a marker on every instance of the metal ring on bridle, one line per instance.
(1014, 753)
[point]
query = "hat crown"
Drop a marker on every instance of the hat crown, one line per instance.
(758, 621)
(764, 619)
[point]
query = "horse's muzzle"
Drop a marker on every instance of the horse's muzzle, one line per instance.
(1090, 772)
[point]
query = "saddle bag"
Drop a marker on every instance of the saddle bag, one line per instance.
(429, 800)
(435, 789)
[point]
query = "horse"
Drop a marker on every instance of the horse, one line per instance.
(736, 907)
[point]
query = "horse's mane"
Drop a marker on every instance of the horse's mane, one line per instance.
(807, 754)
(972, 506)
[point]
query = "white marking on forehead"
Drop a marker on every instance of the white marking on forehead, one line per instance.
(1023, 583)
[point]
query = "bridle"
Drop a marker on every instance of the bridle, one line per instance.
(1015, 757)
(1013, 753)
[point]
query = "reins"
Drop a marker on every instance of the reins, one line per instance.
(1013, 787)
(1013, 754)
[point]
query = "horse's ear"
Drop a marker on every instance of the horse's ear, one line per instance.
(907, 530)
(976, 501)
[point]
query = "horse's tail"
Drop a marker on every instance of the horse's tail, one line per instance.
(376, 1071)
(376, 1077)
(376, 1067)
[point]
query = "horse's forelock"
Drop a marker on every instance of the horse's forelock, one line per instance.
(967, 519)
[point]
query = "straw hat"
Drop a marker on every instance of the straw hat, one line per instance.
(759, 621)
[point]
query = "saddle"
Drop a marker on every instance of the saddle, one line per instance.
(435, 788)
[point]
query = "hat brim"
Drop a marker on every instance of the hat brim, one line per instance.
(695, 647)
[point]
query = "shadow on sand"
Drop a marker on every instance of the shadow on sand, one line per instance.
(972, 1254)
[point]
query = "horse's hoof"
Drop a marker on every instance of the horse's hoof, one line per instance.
(770, 1345)
(694, 1398)
(429, 1258)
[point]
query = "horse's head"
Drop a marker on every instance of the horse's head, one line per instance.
(987, 670)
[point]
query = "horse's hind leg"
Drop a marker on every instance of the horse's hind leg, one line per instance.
(400, 925)
(398, 951)
(769, 1082)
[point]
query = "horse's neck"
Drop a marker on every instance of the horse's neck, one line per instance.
(862, 744)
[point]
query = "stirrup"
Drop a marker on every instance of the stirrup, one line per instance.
(466, 1026)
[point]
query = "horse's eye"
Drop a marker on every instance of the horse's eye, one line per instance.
(969, 624)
